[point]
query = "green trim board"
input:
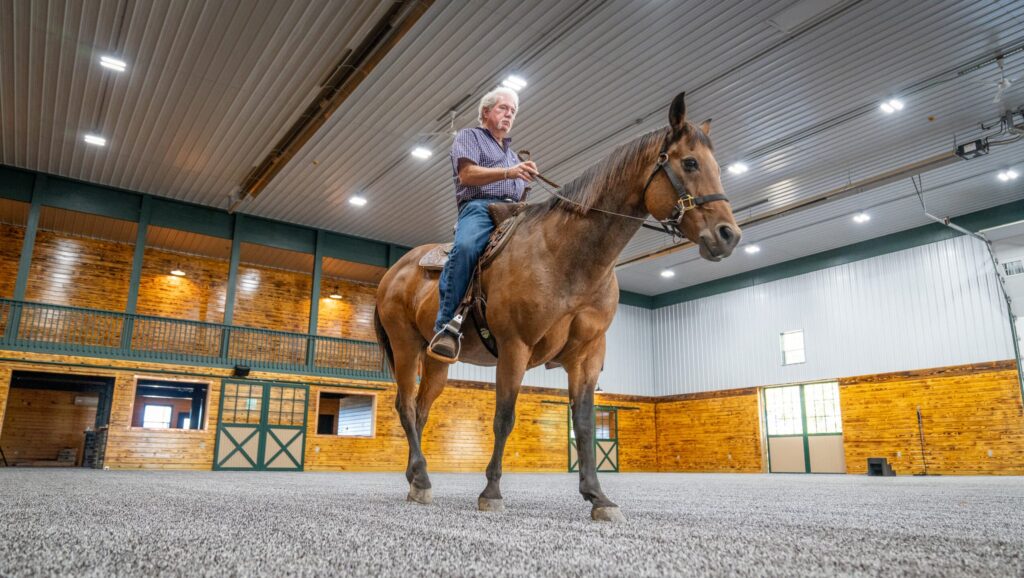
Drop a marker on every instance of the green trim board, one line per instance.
(932, 233)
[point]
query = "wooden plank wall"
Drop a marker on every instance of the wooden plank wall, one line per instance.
(967, 411)
(39, 423)
(92, 273)
(710, 432)
(11, 239)
(199, 296)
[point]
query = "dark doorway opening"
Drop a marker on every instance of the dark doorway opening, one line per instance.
(56, 420)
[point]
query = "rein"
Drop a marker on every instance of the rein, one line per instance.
(686, 201)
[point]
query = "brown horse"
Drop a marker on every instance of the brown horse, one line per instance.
(552, 292)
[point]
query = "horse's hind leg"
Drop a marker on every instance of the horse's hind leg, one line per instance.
(583, 374)
(407, 360)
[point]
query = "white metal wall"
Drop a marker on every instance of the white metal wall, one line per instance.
(930, 306)
(628, 364)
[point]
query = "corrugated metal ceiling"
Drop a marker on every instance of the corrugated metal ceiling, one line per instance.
(212, 85)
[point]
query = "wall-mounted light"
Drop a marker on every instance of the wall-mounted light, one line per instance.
(335, 294)
(177, 271)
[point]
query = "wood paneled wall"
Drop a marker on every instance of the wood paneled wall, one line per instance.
(11, 239)
(272, 299)
(138, 448)
(79, 272)
(966, 411)
(39, 423)
(710, 432)
(199, 296)
(92, 273)
(352, 315)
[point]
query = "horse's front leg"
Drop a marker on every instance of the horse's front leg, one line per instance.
(512, 364)
(583, 375)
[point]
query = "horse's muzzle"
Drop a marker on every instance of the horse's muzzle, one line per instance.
(718, 242)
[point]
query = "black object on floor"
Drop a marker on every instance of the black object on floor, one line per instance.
(879, 467)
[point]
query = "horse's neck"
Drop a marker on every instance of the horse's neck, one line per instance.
(593, 241)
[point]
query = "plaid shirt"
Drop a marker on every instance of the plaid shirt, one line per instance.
(479, 147)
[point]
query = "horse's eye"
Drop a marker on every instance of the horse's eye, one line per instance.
(690, 165)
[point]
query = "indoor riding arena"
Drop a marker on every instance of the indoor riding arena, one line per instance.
(511, 288)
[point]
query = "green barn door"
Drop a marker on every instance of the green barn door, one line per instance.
(262, 426)
(606, 440)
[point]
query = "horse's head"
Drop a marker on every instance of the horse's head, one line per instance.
(689, 192)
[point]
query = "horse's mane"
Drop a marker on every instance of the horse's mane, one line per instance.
(619, 168)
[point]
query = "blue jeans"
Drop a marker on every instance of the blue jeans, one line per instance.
(471, 233)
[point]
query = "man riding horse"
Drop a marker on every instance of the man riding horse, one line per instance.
(486, 171)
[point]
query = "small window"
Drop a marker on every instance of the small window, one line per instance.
(822, 402)
(782, 411)
(793, 347)
(345, 414)
(176, 404)
(157, 416)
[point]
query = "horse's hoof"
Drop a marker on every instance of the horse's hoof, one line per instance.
(420, 496)
(490, 504)
(607, 514)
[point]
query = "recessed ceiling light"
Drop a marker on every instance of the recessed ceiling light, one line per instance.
(861, 217)
(892, 105)
(1007, 175)
(177, 272)
(514, 82)
(668, 273)
(357, 201)
(738, 168)
(113, 63)
(421, 153)
(751, 249)
(95, 140)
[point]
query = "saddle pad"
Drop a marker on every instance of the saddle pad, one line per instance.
(435, 258)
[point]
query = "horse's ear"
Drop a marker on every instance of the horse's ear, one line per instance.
(705, 127)
(677, 113)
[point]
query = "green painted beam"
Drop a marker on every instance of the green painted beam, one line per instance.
(279, 235)
(636, 299)
(314, 298)
(92, 199)
(16, 184)
(192, 218)
(140, 250)
(933, 233)
(29, 243)
(236, 252)
(358, 250)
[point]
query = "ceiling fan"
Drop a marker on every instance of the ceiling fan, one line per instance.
(1002, 85)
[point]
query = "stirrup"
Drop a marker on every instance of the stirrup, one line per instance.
(452, 328)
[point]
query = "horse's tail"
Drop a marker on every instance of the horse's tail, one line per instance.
(382, 339)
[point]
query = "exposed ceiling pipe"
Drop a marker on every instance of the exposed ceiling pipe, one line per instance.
(345, 77)
(873, 182)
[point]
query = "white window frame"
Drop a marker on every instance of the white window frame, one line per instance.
(170, 415)
(786, 353)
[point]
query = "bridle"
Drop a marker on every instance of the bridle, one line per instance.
(685, 201)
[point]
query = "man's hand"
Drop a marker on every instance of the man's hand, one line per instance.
(525, 171)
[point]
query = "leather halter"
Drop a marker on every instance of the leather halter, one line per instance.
(686, 201)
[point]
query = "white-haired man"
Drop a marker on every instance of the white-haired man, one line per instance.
(486, 170)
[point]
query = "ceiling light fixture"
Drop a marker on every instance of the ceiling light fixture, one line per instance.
(357, 201)
(861, 217)
(668, 273)
(113, 63)
(421, 153)
(514, 82)
(751, 249)
(95, 140)
(892, 105)
(1007, 175)
(738, 168)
